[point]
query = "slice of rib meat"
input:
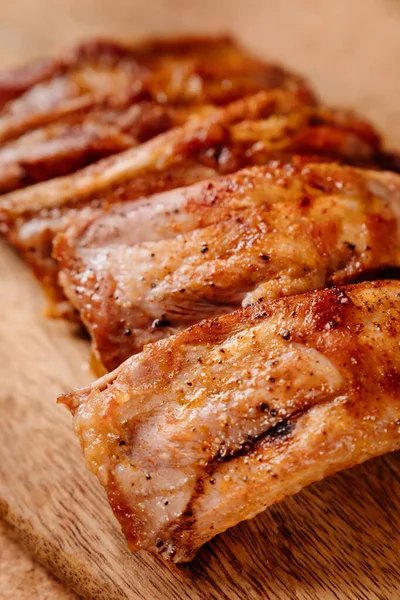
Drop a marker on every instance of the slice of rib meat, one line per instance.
(144, 270)
(213, 425)
(270, 125)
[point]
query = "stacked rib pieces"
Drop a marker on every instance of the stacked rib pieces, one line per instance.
(206, 218)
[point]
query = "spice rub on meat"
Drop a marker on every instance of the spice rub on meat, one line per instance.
(215, 424)
(103, 97)
(182, 71)
(79, 139)
(145, 270)
(266, 126)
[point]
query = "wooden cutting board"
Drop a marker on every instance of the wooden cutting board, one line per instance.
(339, 539)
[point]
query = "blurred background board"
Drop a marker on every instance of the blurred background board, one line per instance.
(338, 539)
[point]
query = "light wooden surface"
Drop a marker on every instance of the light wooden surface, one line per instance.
(22, 578)
(338, 539)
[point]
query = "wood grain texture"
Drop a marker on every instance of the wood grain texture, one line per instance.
(22, 578)
(335, 540)
(338, 539)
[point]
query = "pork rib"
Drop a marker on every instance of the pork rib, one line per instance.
(147, 269)
(84, 137)
(102, 98)
(269, 125)
(184, 71)
(216, 423)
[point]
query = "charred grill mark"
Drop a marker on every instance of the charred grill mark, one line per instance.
(281, 431)
(277, 433)
(184, 524)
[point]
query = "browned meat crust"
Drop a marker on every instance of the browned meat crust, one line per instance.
(84, 137)
(148, 269)
(103, 97)
(273, 124)
(182, 71)
(215, 424)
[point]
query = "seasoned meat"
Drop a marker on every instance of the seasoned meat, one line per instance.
(273, 124)
(103, 98)
(145, 270)
(82, 138)
(215, 424)
(183, 71)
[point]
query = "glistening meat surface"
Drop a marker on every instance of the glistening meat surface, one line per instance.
(103, 97)
(184, 71)
(84, 137)
(147, 269)
(215, 424)
(255, 130)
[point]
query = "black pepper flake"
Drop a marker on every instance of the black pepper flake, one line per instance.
(212, 480)
(204, 248)
(285, 334)
(159, 543)
(148, 476)
(166, 503)
(182, 290)
(127, 332)
(264, 257)
(189, 383)
(122, 443)
(263, 406)
(272, 379)
(350, 246)
(161, 323)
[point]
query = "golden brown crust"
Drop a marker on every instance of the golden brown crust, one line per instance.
(274, 124)
(84, 119)
(211, 426)
(147, 269)
(182, 71)
(82, 138)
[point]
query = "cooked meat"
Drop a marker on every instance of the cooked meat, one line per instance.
(269, 125)
(182, 71)
(157, 87)
(79, 139)
(216, 423)
(148, 269)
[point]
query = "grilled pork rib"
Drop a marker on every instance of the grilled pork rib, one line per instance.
(118, 97)
(216, 423)
(147, 269)
(184, 71)
(269, 125)
(80, 139)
